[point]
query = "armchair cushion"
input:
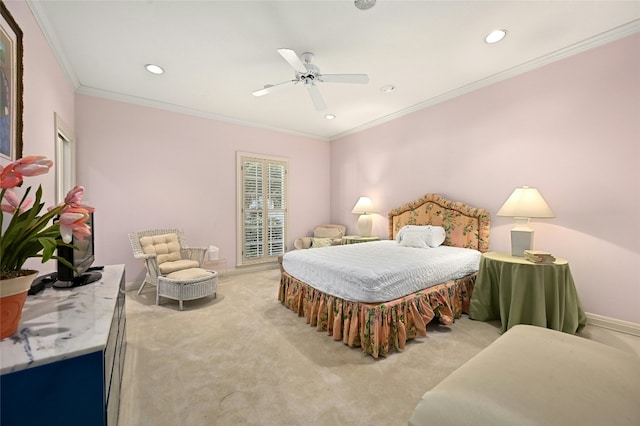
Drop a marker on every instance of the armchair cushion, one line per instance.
(166, 247)
(329, 231)
(177, 265)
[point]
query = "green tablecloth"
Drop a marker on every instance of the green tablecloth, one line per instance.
(516, 291)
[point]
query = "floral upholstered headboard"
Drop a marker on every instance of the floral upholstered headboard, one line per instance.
(465, 226)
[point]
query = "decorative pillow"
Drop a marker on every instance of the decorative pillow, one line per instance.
(302, 243)
(422, 230)
(433, 236)
(436, 236)
(413, 239)
(320, 242)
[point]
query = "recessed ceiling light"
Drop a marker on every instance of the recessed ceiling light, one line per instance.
(154, 69)
(388, 89)
(495, 36)
(364, 4)
(329, 116)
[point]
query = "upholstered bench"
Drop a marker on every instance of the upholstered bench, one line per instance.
(187, 284)
(536, 376)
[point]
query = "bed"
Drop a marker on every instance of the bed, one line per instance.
(377, 324)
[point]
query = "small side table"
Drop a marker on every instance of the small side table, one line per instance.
(354, 239)
(517, 291)
(218, 265)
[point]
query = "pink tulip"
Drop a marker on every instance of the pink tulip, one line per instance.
(75, 195)
(33, 165)
(73, 221)
(12, 204)
(13, 173)
(8, 176)
(10, 179)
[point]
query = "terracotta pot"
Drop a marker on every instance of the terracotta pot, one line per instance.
(13, 294)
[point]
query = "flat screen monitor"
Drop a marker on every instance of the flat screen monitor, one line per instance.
(81, 258)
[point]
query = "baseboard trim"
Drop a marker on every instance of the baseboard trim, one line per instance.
(132, 285)
(614, 324)
(252, 268)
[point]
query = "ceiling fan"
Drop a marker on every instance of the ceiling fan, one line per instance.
(308, 75)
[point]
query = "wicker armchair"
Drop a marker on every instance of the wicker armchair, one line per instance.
(164, 251)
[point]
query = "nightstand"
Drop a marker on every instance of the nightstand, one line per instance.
(353, 239)
(517, 291)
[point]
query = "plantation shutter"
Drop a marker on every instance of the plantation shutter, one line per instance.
(264, 207)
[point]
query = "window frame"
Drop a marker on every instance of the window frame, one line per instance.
(65, 154)
(265, 160)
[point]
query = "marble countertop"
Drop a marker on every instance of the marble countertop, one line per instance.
(58, 324)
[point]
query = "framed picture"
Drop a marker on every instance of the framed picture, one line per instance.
(11, 88)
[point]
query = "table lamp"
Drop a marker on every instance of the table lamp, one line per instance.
(364, 207)
(522, 204)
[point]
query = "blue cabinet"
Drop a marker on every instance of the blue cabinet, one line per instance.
(64, 366)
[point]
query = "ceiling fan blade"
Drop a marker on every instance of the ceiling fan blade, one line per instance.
(344, 78)
(272, 88)
(293, 59)
(316, 97)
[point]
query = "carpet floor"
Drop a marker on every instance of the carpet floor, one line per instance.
(244, 359)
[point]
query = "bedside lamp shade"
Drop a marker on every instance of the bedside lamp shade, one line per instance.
(364, 207)
(522, 204)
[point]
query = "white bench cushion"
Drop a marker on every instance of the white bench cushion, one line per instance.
(536, 376)
(189, 274)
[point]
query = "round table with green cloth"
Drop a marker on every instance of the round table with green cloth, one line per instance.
(517, 291)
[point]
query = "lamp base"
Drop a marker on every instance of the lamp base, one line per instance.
(521, 240)
(365, 223)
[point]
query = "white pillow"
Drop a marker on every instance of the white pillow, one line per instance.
(433, 236)
(436, 236)
(403, 231)
(413, 239)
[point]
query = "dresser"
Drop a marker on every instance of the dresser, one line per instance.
(64, 366)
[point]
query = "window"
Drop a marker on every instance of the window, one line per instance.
(262, 206)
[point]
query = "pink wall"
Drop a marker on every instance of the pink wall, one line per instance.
(46, 90)
(148, 168)
(571, 128)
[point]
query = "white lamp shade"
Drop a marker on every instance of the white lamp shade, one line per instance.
(363, 206)
(525, 202)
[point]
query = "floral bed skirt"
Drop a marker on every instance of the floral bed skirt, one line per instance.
(377, 327)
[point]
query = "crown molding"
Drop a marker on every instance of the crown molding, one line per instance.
(582, 46)
(99, 93)
(51, 37)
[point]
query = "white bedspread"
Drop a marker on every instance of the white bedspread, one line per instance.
(378, 271)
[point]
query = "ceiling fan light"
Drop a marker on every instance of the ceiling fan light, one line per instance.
(495, 36)
(154, 69)
(364, 4)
